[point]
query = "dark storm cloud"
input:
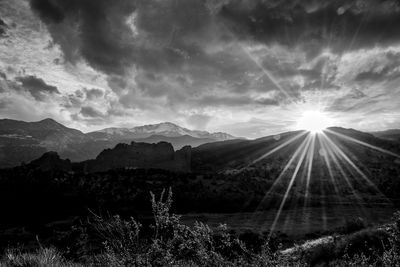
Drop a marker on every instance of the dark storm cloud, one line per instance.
(88, 111)
(93, 29)
(117, 83)
(37, 87)
(3, 75)
(356, 94)
(3, 27)
(170, 38)
(100, 31)
(169, 33)
(79, 97)
(370, 76)
(93, 93)
(193, 51)
(267, 102)
(341, 25)
(48, 11)
(74, 100)
(167, 42)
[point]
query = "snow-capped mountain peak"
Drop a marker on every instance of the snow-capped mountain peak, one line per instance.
(164, 128)
(167, 129)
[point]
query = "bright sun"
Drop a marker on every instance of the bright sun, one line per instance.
(314, 121)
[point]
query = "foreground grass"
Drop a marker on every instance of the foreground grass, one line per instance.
(42, 257)
(174, 244)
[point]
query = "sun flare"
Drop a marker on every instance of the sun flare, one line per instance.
(314, 121)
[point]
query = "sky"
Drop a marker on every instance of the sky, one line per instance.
(247, 67)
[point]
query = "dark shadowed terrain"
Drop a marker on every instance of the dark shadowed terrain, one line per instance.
(215, 183)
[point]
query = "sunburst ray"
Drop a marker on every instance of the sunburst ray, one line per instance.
(299, 163)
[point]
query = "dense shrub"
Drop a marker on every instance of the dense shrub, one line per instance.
(367, 247)
(171, 243)
(174, 244)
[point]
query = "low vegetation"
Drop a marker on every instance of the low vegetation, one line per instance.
(167, 242)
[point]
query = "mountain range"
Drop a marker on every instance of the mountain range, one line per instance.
(219, 176)
(233, 154)
(227, 156)
(392, 134)
(166, 129)
(157, 146)
(22, 141)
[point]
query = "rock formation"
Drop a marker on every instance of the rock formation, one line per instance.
(141, 155)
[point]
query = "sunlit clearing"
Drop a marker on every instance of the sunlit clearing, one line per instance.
(314, 121)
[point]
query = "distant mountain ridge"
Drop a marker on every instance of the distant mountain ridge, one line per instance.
(45, 130)
(234, 154)
(26, 141)
(22, 141)
(166, 129)
(391, 134)
(229, 157)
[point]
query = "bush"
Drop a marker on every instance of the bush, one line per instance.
(174, 244)
(120, 240)
(365, 244)
(171, 243)
(370, 242)
(391, 257)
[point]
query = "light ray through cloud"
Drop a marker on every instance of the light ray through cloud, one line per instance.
(334, 156)
(286, 143)
(363, 143)
(326, 156)
(266, 73)
(310, 159)
(352, 164)
(287, 166)
(289, 187)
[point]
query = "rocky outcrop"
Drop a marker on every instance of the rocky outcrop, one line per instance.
(141, 155)
(183, 158)
(51, 161)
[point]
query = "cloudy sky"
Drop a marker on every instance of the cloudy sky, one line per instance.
(247, 67)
